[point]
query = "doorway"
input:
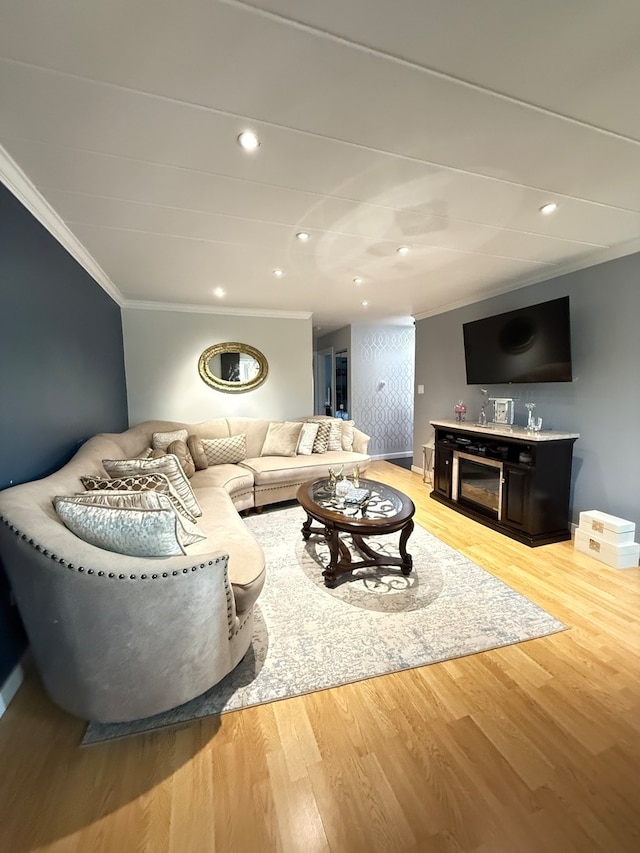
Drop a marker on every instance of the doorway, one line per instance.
(342, 385)
(324, 382)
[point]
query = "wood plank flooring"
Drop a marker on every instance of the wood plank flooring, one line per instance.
(535, 747)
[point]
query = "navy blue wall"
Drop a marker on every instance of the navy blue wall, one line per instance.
(61, 368)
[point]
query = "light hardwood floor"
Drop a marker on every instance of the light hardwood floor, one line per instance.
(535, 747)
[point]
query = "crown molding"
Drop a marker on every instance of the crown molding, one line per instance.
(610, 253)
(186, 308)
(25, 191)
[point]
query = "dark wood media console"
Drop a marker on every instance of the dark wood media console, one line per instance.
(506, 478)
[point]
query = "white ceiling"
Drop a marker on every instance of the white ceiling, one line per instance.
(439, 124)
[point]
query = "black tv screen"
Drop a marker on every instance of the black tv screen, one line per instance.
(530, 344)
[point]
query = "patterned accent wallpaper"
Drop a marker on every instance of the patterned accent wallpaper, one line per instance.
(382, 378)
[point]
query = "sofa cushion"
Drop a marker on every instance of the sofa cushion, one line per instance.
(161, 440)
(168, 465)
(181, 451)
(139, 483)
(139, 524)
(282, 439)
(308, 435)
(196, 449)
(232, 478)
(225, 451)
(246, 558)
(279, 469)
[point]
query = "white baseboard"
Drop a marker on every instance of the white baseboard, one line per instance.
(393, 455)
(12, 684)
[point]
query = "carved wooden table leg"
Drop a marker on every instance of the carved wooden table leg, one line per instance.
(407, 559)
(306, 527)
(333, 541)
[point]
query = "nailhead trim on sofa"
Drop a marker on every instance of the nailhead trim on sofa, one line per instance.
(110, 575)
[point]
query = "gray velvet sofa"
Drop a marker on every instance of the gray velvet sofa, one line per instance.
(117, 637)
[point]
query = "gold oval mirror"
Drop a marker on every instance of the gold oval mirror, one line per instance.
(233, 367)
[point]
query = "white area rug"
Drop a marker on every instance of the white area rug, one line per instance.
(309, 638)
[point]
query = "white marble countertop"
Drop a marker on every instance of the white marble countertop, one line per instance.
(506, 430)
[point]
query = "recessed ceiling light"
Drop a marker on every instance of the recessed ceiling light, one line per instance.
(403, 250)
(248, 140)
(278, 273)
(551, 207)
(364, 303)
(358, 280)
(219, 292)
(303, 236)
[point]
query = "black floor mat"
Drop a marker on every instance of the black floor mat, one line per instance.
(402, 461)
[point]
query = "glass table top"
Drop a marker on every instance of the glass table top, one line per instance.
(383, 501)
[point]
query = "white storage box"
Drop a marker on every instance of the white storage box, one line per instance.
(618, 556)
(608, 528)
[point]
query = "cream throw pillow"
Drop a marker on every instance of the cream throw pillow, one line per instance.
(225, 451)
(307, 437)
(139, 524)
(282, 439)
(348, 428)
(162, 440)
(168, 465)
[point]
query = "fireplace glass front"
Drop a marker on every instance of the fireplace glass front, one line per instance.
(478, 482)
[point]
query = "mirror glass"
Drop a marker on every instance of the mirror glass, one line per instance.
(233, 367)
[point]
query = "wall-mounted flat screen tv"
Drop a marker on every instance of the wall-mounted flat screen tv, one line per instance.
(531, 344)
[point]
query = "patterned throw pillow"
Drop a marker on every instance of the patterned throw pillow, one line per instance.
(225, 451)
(162, 440)
(321, 443)
(140, 524)
(168, 465)
(139, 483)
(307, 437)
(196, 449)
(335, 431)
(281, 439)
(180, 449)
(335, 435)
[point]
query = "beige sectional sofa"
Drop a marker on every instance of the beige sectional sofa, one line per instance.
(118, 637)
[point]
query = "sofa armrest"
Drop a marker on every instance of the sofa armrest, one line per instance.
(360, 441)
(119, 645)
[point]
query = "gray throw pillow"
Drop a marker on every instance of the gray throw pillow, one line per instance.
(139, 524)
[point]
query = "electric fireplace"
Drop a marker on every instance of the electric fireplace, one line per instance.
(478, 483)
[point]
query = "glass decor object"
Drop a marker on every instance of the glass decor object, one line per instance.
(531, 421)
(460, 410)
(482, 417)
(343, 487)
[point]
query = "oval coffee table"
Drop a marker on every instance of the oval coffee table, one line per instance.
(386, 511)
